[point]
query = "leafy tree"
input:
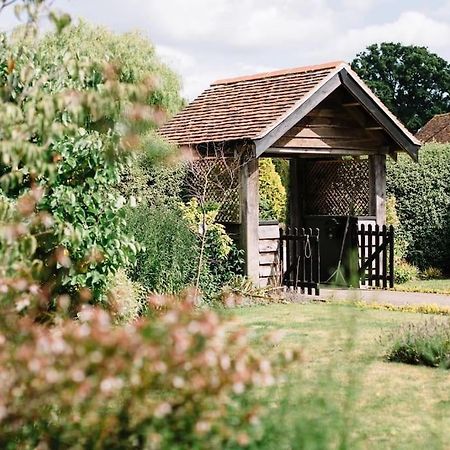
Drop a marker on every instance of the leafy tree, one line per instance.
(68, 124)
(413, 82)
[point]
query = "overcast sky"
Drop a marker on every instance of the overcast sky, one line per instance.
(204, 40)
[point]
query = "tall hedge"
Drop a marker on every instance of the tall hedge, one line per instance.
(422, 192)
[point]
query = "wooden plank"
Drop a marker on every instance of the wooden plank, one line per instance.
(326, 132)
(269, 231)
(385, 259)
(267, 271)
(327, 143)
(249, 205)
(268, 245)
(391, 257)
(268, 258)
(307, 105)
(292, 151)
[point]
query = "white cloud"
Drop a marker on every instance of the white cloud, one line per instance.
(208, 39)
(411, 28)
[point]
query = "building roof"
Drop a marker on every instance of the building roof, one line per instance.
(436, 130)
(262, 107)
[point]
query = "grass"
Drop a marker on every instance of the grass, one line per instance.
(380, 404)
(441, 286)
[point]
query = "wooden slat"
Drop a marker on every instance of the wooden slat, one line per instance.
(268, 258)
(266, 271)
(269, 231)
(328, 143)
(320, 132)
(268, 245)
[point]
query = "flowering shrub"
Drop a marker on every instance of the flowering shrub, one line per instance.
(426, 343)
(181, 379)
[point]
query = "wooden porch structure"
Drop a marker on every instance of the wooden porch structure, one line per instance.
(335, 132)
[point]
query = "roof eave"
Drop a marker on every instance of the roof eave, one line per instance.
(373, 105)
(343, 75)
(300, 110)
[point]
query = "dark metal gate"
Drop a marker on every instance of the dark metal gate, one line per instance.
(376, 255)
(300, 259)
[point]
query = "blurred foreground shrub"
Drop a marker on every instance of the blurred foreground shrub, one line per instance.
(426, 343)
(180, 379)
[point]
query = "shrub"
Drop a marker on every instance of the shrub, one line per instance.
(426, 343)
(404, 272)
(422, 192)
(431, 273)
(167, 262)
(126, 299)
(73, 105)
(220, 260)
(272, 194)
(182, 379)
(401, 237)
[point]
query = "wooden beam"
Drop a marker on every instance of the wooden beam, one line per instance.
(294, 151)
(351, 104)
(249, 206)
(327, 143)
(375, 128)
(293, 218)
(307, 105)
(377, 180)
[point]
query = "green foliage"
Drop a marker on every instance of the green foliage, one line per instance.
(411, 81)
(74, 104)
(431, 273)
(133, 56)
(170, 248)
(282, 168)
(272, 194)
(422, 193)
(426, 343)
(181, 379)
(127, 299)
(218, 260)
(404, 272)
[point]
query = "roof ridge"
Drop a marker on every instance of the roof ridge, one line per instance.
(277, 73)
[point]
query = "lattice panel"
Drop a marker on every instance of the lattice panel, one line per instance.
(220, 175)
(335, 188)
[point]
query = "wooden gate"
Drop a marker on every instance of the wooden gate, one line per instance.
(300, 259)
(376, 255)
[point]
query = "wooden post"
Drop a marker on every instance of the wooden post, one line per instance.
(377, 179)
(297, 194)
(294, 193)
(249, 203)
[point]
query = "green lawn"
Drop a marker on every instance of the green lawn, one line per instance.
(343, 378)
(432, 286)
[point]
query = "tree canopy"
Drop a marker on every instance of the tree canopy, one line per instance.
(412, 82)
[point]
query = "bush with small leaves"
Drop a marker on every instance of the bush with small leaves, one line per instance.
(426, 343)
(182, 378)
(404, 272)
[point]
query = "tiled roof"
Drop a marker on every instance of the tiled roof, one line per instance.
(244, 107)
(436, 130)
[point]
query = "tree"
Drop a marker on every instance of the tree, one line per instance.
(412, 82)
(71, 113)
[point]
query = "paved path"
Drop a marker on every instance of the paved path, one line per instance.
(381, 296)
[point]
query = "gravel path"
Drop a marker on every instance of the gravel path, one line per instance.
(381, 296)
